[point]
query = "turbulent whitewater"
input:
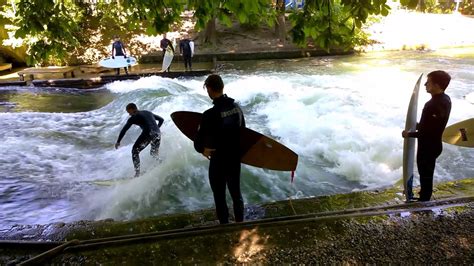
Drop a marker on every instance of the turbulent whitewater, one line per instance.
(342, 115)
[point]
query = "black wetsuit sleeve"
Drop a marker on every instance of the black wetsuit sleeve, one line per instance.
(160, 120)
(171, 45)
(203, 131)
(123, 49)
(113, 48)
(124, 130)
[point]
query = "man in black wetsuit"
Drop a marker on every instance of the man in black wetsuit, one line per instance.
(119, 50)
(185, 51)
(164, 44)
(430, 129)
(150, 133)
(218, 139)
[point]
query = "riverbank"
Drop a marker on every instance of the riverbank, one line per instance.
(400, 30)
(361, 227)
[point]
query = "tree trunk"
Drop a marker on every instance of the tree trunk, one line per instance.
(280, 28)
(211, 35)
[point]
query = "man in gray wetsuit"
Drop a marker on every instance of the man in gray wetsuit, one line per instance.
(151, 134)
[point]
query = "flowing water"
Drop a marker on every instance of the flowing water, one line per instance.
(343, 115)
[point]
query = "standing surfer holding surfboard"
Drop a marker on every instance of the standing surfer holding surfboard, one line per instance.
(429, 130)
(165, 44)
(119, 50)
(218, 139)
(150, 133)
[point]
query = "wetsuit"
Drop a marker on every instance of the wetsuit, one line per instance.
(117, 46)
(220, 130)
(185, 49)
(150, 134)
(430, 129)
(164, 43)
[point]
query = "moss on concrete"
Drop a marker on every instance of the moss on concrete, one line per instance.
(361, 199)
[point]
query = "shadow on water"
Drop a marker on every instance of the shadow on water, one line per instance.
(53, 100)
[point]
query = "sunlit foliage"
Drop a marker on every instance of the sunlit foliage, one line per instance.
(333, 23)
(54, 31)
(49, 28)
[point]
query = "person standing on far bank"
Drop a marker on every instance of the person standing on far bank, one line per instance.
(150, 133)
(119, 50)
(218, 139)
(164, 44)
(430, 129)
(187, 53)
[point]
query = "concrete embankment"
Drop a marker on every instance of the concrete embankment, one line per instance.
(360, 227)
(250, 55)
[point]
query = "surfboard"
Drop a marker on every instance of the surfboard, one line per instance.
(167, 59)
(118, 61)
(111, 182)
(409, 143)
(255, 149)
(191, 45)
(460, 134)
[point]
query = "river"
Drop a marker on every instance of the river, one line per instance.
(343, 115)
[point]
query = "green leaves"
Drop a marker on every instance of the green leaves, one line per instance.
(248, 12)
(333, 23)
(54, 29)
(157, 15)
(49, 28)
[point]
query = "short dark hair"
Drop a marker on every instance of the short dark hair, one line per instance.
(214, 82)
(131, 106)
(441, 78)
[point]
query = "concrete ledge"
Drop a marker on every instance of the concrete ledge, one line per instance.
(95, 82)
(12, 83)
(237, 56)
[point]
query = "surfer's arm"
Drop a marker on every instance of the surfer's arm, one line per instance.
(208, 152)
(160, 120)
(408, 134)
(123, 48)
(199, 140)
(122, 133)
(170, 44)
(113, 49)
(202, 134)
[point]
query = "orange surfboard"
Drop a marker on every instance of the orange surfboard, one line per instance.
(256, 149)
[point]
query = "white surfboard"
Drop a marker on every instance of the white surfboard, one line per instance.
(460, 134)
(167, 59)
(409, 143)
(118, 62)
(191, 45)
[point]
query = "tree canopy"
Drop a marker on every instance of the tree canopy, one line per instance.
(51, 29)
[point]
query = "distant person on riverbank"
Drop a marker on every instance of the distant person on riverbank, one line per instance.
(119, 48)
(430, 129)
(151, 134)
(218, 139)
(186, 51)
(164, 44)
